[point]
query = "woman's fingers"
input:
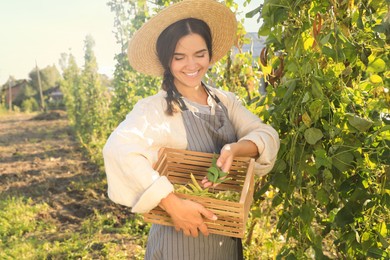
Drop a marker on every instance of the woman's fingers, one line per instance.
(203, 228)
(206, 183)
(194, 231)
(225, 159)
(189, 217)
(187, 232)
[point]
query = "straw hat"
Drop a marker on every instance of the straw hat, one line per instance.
(221, 20)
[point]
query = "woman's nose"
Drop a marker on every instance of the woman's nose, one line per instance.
(191, 62)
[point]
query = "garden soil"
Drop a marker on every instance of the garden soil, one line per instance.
(40, 159)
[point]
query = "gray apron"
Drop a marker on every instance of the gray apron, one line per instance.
(208, 130)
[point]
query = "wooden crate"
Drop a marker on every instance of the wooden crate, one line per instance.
(232, 216)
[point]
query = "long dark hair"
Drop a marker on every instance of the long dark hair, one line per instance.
(166, 45)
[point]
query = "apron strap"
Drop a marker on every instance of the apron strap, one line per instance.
(182, 104)
(212, 94)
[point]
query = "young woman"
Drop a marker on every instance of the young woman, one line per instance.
(180, 43)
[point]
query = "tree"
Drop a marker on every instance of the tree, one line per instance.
(69, 86)
(49, 77)
(128, 85)
(94, 103)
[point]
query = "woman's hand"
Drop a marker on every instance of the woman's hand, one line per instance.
(242, 148)
(187, 215)
(228, 152)
(224, 162)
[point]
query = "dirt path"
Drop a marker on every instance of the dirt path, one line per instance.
(39, 159)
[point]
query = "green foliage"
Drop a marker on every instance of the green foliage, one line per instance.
(331, 108)
(27, 93)
(93, 105)
(30, 105)
(49, 77)
(87, 101)
(238, 73)
(215, 174)
(69, 85)
(129, 86)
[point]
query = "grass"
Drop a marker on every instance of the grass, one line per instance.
(27, 232)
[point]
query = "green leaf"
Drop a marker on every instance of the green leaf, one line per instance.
(210, 176)
(222, 174)
(375, 79)
(290, 90)
(306, 97)
(342, 161)
(325, 39)
(253, 12)
(359, 194)
(280, 181)
(385, 128)
(292, 67)
(264, 30)
(382, 230)
(213, 170)
(313, 135)
(306, 119)
(359, 123)
(376, 65)
(316, 89)
(321, 159)
(329, 52)
(307, 213)
(376, 252)
(350, 52)
(277, 200)
(280, 14)
(322, 196)
(280, 166)
(344, 216)
(256, 212)
(262, 191)
(315, 109)
(215, 178)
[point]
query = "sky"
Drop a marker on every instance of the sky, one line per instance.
(38, 31)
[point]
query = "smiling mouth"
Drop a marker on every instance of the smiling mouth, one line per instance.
(193, 74)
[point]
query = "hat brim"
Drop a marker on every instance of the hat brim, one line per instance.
(222, 21)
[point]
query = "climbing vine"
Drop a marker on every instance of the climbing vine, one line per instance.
(326, 65)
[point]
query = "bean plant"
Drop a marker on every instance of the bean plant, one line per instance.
(326, 67)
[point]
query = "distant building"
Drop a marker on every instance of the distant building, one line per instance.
(11, 90)
(255, 46)
(257, 43)
(54, 94)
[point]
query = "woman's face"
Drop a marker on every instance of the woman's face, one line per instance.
(190, 61)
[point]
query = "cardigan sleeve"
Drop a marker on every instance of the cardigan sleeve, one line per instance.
(250, 127)
(129, 154)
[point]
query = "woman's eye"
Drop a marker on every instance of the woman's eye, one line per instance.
(178, 58)
(200, 56)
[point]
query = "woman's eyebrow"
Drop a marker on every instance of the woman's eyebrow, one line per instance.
(182, 54)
